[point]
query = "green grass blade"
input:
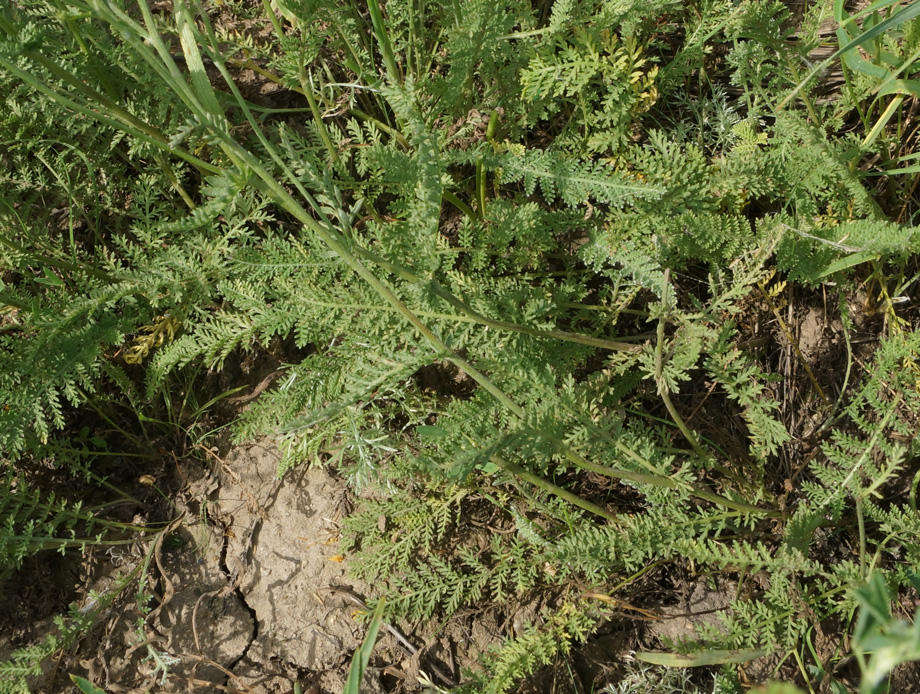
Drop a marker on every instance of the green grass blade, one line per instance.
(701, 659)
(362, 656)
(909, 12)
(845, 263)
(85, 686)
(201, 84)
(383, 40)
(889, 172)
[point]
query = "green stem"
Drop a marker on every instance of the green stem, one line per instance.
(878, 127)
(389, 130)
(389, 309)
(108, 420)
(306, 81)
(913, 491)
(117, 118)
(546, 486)
(56, 263)
(6, 25)
(459, 204)
(58, 542)
(533, 332)
(175, 183)
(659, 375)
(412, 277)
(8, 300)
(480, 168)
(630, 579)
(861, 524)
(273, 18)
(609, 309)
(619, 473)
(112, 454)
(357, 68)
(805, 98)
(845, 324)
(383, 41)
(793, 342)
(698, 490)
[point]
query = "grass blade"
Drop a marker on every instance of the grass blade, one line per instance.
(362, 656)
(383, 40)
(201, 84)
(85, 686)
(701, 659)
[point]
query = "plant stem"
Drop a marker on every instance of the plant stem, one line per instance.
(659, 375)
(306, 81)
(273, 18)
(861, 524)
(546, 486)
(383, 41)
(115, 117)
(794, 343)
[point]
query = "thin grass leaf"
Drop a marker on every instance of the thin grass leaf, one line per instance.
(383, 41)
(846, 263)
(362, 656)
(85, 686)
(703, 659)
(200, 82)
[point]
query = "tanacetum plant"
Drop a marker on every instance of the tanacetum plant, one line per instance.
(514, 242)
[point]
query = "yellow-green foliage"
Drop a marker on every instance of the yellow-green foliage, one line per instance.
(500, 258)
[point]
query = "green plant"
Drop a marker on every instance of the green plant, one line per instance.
(24, 664)
(660, 680)
(85, 686)
(34, 521)
(507, 269)
(362, 656)
(890, 642)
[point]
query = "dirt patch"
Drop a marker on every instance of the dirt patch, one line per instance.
(818, 334)
(701, 606)
(282, 549)
(248, 591)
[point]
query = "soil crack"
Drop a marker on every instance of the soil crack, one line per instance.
(236, 576)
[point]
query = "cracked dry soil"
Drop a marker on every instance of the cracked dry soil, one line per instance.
(255, 599)
(260, 590)
(250, 593)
